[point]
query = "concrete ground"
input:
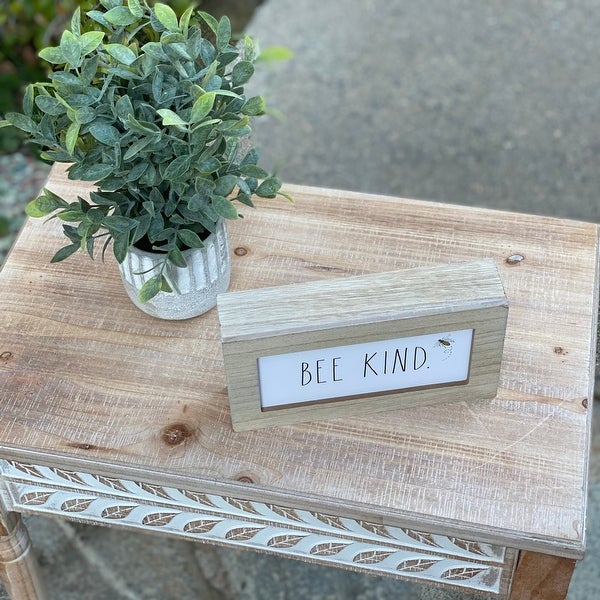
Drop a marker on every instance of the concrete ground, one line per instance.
(482, 103)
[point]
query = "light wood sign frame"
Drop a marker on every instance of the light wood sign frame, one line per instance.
(358, 345)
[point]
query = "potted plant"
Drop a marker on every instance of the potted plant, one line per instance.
(150, 107)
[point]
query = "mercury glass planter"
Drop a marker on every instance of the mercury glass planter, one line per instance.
(195, 287)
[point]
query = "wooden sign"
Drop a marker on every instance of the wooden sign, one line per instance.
(358, 345)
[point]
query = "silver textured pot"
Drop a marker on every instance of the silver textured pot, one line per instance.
(195, 287)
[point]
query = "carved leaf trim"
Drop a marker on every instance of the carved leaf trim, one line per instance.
(472, 547)
(422, 538)
(371, 557)
(328, 548)
(198, 497)
(416, 565)
(68, 475)
(111, 482)
(287, 513)
(462, 573)
(285, 541)
(28, 469)
(330, 520)
(76, 504)
(158, 519)
(374, 528)
(243, 505)
(242, 534)
(200, 526)
(35, 498)
(155, 490)
(117, 512)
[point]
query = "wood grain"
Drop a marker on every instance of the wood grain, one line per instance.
(89, 382)
(541, 576)
(19, 571)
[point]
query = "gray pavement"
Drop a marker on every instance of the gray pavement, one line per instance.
(481, 103)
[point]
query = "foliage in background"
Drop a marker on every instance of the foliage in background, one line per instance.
(27, 26)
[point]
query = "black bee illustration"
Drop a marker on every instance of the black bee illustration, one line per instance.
(445, 343)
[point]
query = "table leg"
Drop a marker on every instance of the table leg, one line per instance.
(18, 565)
(540, 576)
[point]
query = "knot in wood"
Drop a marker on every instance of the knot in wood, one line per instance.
(515, 259)
(243, 478)
(240, 251)
(6, 356)
(175, 434)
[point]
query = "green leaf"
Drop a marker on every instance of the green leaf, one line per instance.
(28, 100)
(106, 134)
(209, 20)
(167, 17)
(94, 172)
(73, 215)
(242, 72)
(76, 22)
(178, 168)
(44, 205)
(88, 72)
(50, 105)
(136, 8)
(184, 21)
(149, 207)
(121, 53)
(223, 33)
(142, 127)
(70, 48)
(225, 185)
(202, 107)
(124, 107)
(204, 186)
(52, 55)
(90, 41)
(250, 49)
(22, 122)
(269, 187)
(255, 171)
(84, 115)
(224, 208)
(190, 238)
(254, 106)
(275, 53)
(119, 224)
(170, 118)
(65, 253)
(108, 4)
(150, 289)
(71, 137)
(155, 50)
(120, 246)
(176, 257)
(136, 148)
(209, 166)
(120, 16)
(98, 16)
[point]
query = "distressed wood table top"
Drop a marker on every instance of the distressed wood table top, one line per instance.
(89, 382)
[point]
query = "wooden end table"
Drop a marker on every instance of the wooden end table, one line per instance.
(111, 416)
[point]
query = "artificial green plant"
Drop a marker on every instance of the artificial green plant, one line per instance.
(151, 107)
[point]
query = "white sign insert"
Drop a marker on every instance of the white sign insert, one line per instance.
(364, 369)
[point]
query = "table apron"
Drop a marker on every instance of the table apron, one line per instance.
(359, 545)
